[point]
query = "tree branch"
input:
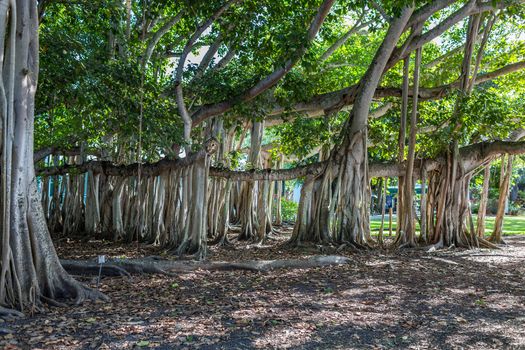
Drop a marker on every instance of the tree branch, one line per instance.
(158, 35)
(472, 157)
(342, 40)
(328, 100)
(181, 105)
(210, 110)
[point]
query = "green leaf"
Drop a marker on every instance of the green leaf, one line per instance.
(143, 343)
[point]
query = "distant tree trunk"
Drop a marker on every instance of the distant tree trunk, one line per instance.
(383, 188)
(423, 206)
(278, 194)
(30, 269)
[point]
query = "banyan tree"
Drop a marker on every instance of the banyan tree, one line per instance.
(176, 124)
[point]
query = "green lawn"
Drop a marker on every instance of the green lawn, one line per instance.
(512, 225)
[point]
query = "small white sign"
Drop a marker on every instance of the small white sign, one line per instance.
(101, 259)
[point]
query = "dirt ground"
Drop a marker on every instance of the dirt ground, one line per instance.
(452, 299)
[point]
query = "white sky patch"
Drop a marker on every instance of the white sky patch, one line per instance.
(197, 57)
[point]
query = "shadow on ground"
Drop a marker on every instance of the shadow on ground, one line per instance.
(408, 299)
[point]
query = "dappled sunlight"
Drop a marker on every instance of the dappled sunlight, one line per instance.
(375, 300)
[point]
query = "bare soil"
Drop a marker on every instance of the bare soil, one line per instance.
(449, 299)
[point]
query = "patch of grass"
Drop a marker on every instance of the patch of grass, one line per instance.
(512, 225)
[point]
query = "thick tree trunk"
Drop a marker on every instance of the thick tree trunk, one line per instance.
(349, 202)
(313, 217)
(195, 230)
(31, 272)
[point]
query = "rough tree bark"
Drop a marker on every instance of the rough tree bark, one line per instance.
(30, 272)
(483, 201)
(250, 221)
(407, 219)
(451, 225)
(502, 201)
(401, 144)
(350, 204)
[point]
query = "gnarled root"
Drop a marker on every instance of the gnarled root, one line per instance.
(124, 268)
(483, 243)
(170, 267)
(4, 312)
(71, 289)
(91, 269)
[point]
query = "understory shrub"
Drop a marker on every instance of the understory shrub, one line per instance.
(289, 210)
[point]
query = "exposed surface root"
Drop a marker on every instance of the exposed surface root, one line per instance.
(484, 243)
(4, 312)
(115, 268)
(83, 268)
(166, 267)
(269, 265)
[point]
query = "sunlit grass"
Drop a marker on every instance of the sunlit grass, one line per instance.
(512, 225)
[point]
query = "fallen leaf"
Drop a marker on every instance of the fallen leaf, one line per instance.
(143, 343)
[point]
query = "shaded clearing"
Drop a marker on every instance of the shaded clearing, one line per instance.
(408, 299)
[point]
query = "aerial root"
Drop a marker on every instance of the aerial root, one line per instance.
(407, 245)
(75, 293)
(85, 293)
(356, 246)
(221, 241)
(52, 302)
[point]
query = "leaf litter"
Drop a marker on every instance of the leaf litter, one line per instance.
(380, 300)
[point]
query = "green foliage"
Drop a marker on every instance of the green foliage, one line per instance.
(288, 210)
(94, 88)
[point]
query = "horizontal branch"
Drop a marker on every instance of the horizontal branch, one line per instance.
(110, 169)
(472, 157)
(40, 154)
(274, 120)
(323, 102)
(147, 169)
(476, 154)
(270, 174)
